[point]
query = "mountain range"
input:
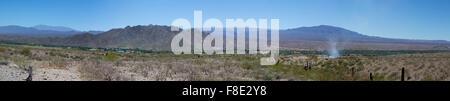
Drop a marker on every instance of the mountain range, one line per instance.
(320, 37)
(157, 37)
(41, 31)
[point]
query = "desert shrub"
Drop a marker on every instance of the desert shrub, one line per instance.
(247, 65)
(199, 61)
(3, 61)
(26, 52)
(95, 58)
(265, 74)
(21, 61)
(429, 78)
(98, 70)
(394, 75)
(62, 55)
(118, 63)
(59, 63)
(77, 57)
(164, 74)
(110, 56)
(3, 49)
(143, 69)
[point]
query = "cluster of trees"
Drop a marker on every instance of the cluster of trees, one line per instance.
(86, 48)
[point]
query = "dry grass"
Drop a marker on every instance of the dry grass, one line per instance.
(112, 66)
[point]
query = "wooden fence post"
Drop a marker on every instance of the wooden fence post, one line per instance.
(403, 74)
(30, 74)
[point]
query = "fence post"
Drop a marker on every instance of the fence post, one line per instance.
(306, 67)
(310, 66)
(30, 74)
(403, 73)
(353, 71)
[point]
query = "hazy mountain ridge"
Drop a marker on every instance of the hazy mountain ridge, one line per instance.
(41, 31)
(320, 38)
(53, 28)
(326, 33)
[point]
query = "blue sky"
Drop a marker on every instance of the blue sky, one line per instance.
(412, 19)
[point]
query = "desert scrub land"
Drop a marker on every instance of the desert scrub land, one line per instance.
(75, 64)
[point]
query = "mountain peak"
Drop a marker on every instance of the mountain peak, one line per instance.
(326, 26)
(322, 33)
(329, 26)
(319, 27)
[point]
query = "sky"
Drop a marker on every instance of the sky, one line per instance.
(409, 19)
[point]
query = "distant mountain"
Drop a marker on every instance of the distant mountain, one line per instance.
(153, 37)
(95, 32)
(326, 33)
(41, 31)
(156, 37)
(53, 28)
(320, 33)
(14, 30)
(318, 37)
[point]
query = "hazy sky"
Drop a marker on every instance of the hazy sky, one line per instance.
(412, 19)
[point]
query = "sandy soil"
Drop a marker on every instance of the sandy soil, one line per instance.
(13, 72)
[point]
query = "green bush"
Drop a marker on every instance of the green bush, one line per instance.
(26, 52)
(110, 56)
(3, 49)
